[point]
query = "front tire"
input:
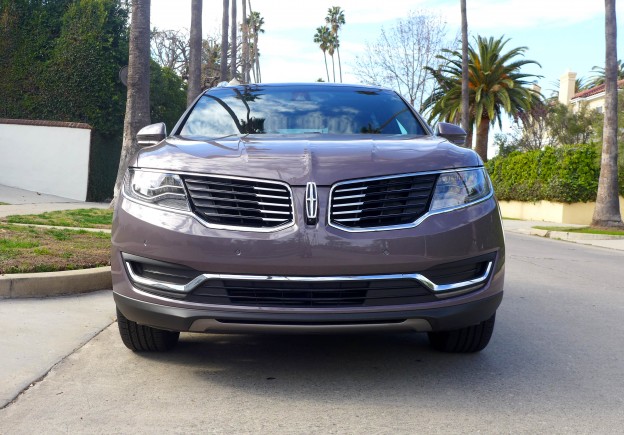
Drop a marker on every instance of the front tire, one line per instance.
(464, 340)
(141, 338)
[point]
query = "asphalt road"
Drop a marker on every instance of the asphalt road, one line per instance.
(554, 365)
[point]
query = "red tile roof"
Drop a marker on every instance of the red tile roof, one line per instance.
(595, 90)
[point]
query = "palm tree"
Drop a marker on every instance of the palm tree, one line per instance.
(245, 47)
(465, 98)
(138, 99)
(322, 39)
(607, 211)
(255, 26)
(599, 78)
(335, 18)
(224, 40)
(331, 49)
(495, 85)
(195, 52)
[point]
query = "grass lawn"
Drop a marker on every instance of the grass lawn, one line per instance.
(585, 230)
(4, 203)
(81, 218)
(30, 249)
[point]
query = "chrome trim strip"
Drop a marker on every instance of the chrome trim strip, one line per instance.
(411, 224)
(440, 290)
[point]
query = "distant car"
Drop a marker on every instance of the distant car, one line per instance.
(306, 208)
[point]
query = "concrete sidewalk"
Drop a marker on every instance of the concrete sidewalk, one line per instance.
(22, 201)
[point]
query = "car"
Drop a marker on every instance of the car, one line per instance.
(306, 208)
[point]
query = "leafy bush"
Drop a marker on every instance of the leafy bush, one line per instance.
(563, 174)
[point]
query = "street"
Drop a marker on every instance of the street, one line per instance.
(555, 365)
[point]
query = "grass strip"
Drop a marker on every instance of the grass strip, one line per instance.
(583, 230)
(25, 249)
(80, 218)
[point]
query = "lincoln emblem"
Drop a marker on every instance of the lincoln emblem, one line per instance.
(311, 204)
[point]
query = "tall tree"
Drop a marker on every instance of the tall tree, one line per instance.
(138, 99)
(607, 211)
(399, 56)
(465, 97)
(321, 37)
(170, 49)
(331, 49)
(245, 45)
(335, 18)
(224, 40)
(195, 49)
(233, 42)
(496, 86)
(255, 26)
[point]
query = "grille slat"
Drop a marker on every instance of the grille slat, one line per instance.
(385, 202)
(240, 203)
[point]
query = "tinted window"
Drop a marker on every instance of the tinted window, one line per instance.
(301, 109)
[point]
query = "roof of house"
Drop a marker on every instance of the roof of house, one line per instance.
(595, 90)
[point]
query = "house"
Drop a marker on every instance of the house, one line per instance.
(594, 97)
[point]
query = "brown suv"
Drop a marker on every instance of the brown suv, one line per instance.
(306, 207)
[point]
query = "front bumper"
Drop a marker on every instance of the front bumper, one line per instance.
(307, 251)
(216, 321)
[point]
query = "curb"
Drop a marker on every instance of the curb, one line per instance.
(38, 285)
(565, 235)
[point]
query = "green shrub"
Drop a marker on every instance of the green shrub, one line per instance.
(563, 174)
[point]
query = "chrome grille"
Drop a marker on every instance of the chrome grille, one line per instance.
(381, 202)
(238, 202)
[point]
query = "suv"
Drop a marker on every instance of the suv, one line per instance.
(306, 207)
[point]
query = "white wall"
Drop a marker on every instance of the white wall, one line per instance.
(44, 158)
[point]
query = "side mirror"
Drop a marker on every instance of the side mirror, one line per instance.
(151, 134)
(451, 132)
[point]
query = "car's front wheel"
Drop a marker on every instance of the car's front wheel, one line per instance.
(141, 338)
(464, 340)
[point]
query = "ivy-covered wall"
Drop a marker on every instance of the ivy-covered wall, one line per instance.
(60, 61)
(564, 174)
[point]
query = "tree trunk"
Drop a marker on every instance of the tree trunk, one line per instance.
(138, 96)
(233, 42)
(339, 64)
(224, 42)
(468, 143)
(245, 48)
(465, 103)
(326, 69)
(333, 68)
(195, 49)
(483, 131)
(257, 57)
(607, 211)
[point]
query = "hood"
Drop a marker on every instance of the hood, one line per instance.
(298, 159)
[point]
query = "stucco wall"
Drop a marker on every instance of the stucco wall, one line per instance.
(579, 213)
(46, 157)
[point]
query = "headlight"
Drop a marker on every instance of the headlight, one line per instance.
(454, 189)
(157, 188)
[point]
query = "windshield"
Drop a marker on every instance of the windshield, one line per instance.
(299, 109)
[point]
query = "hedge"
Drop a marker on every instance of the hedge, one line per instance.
(564, 174)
